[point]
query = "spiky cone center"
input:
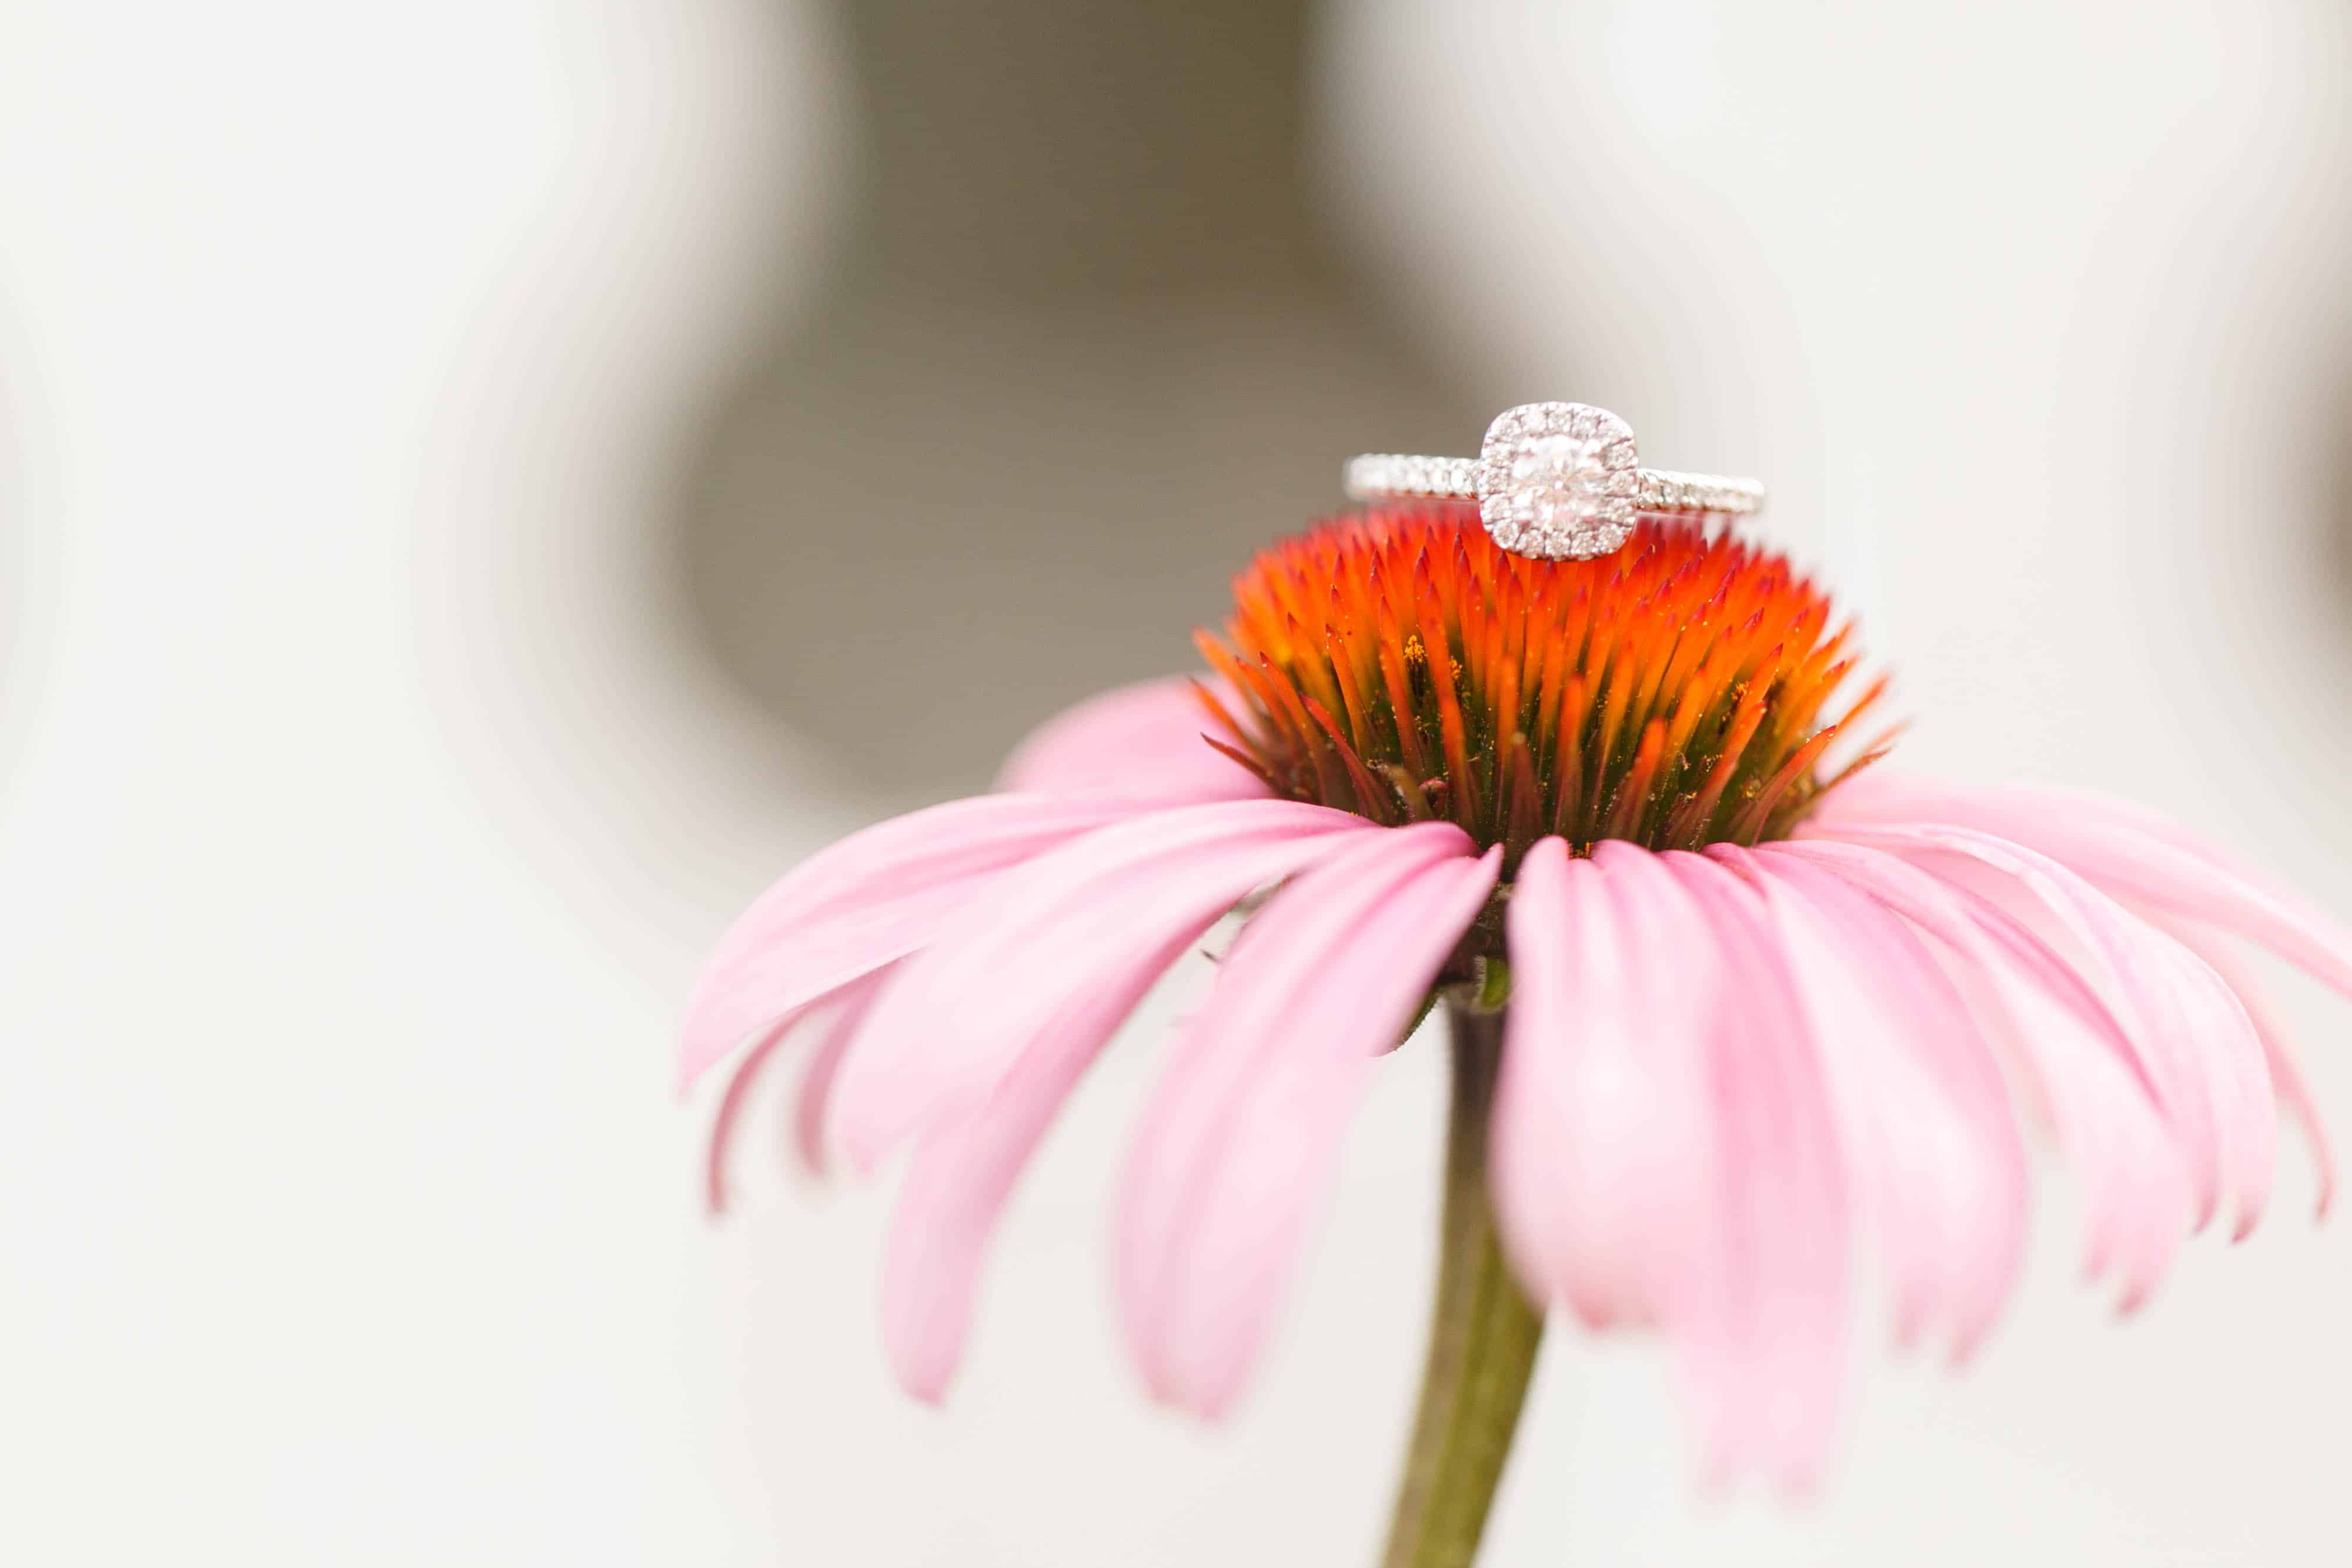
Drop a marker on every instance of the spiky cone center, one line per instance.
(1395, 663)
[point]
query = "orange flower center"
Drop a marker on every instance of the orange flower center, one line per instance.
(1396, 664)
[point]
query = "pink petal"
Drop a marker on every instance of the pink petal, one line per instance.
(2083, 1067)
(1098, 911)
(1764, 1347)
(2123, 849)
(848, 1004)
(963, 1170)
(720, 1143)
(876, 896)
(1242, 1139)
(2193, 1037)
(1932, 1145)
(2287, 1070)
(1143, 741)
(1603, 1156)
(1889, 797)
(812, 1106)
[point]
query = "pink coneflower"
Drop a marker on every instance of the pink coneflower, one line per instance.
(1722, 1005)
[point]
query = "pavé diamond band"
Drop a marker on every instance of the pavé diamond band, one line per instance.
(1559, 481)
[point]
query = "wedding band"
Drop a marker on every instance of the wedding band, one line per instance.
(1559, 481)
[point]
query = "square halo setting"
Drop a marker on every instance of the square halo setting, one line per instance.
(1559, 480)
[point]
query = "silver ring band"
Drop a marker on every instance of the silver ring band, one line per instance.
(1554, 480)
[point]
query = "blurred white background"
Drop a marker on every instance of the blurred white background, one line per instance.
(372, 777)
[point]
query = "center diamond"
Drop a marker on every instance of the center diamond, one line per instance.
(1556, 483)
(1556, 480)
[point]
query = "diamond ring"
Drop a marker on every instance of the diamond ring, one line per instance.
(1559, 481)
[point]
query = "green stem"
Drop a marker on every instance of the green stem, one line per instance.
(1483, 1338)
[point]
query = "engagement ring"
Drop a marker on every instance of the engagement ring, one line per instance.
(1559, 481)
